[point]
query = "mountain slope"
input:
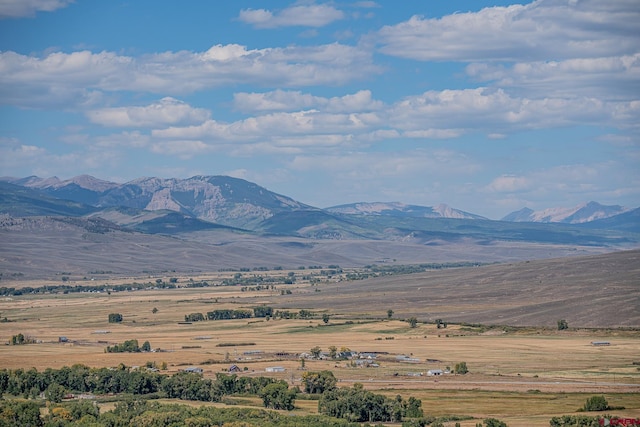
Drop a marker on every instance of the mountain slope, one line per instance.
(397, 209)
(582, 213)
(22, 201)
(628, 222)
(316, 224)
(220, 199)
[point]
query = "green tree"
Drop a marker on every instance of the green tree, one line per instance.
(15, 413)
(278, 396)
(460, 368)
(389, 314)
(55, 393)
(562, 325)
(414, 408)
(325, 318)
(145, 346)
(413, 322)
(333, 351)
(18, 339)
(318, 382)
(315, 352)
(596, 403)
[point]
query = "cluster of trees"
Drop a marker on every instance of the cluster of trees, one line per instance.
(359, 405)
(257, 282)
(148, 413)
(82, 379)
(278, 396)
(224, 314)
(389, 270)
(20, 339)
(260, 311)
(129, 346)
(318, 382)
(79, 379)
(66, 289)
(574, 421)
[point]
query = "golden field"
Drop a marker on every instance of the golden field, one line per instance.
(523, 376)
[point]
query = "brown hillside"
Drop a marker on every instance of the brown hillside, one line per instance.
(589, 291)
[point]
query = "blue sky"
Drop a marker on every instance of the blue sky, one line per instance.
(487, 106)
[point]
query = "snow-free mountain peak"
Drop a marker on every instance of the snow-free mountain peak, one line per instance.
(584, 212)
(402, 210)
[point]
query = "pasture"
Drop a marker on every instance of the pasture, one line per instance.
(523, 376)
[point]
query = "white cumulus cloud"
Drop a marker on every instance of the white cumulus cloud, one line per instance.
(312, 15)
(541, 30)
(612, 77)
(166, 112)
(280, 100)
(24, 8)
(71, 79)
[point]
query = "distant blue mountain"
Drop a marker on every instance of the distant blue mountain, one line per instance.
(401, 210)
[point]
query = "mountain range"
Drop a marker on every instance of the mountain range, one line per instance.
(236, 202)
(582, 213)
(216, 222)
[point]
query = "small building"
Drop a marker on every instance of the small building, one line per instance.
(234, 368)
(434, 372)
(347, 355)
(600, 343)
(193, 369)
(368, 355)
(274, 369)
(404, 358)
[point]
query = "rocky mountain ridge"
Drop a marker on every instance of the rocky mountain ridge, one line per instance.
(582, 213)
(238, 203)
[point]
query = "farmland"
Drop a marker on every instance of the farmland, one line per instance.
(522, 374)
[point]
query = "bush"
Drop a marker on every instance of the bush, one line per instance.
(115, 318)
(492, 422)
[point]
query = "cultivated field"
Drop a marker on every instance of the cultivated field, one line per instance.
(523, 376)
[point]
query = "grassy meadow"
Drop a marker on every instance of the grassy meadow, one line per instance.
(523, 376)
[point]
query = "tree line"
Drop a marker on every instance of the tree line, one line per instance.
(145, 413)
(257, 312)
(78, 378)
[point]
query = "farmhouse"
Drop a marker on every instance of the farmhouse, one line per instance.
(434, 372)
